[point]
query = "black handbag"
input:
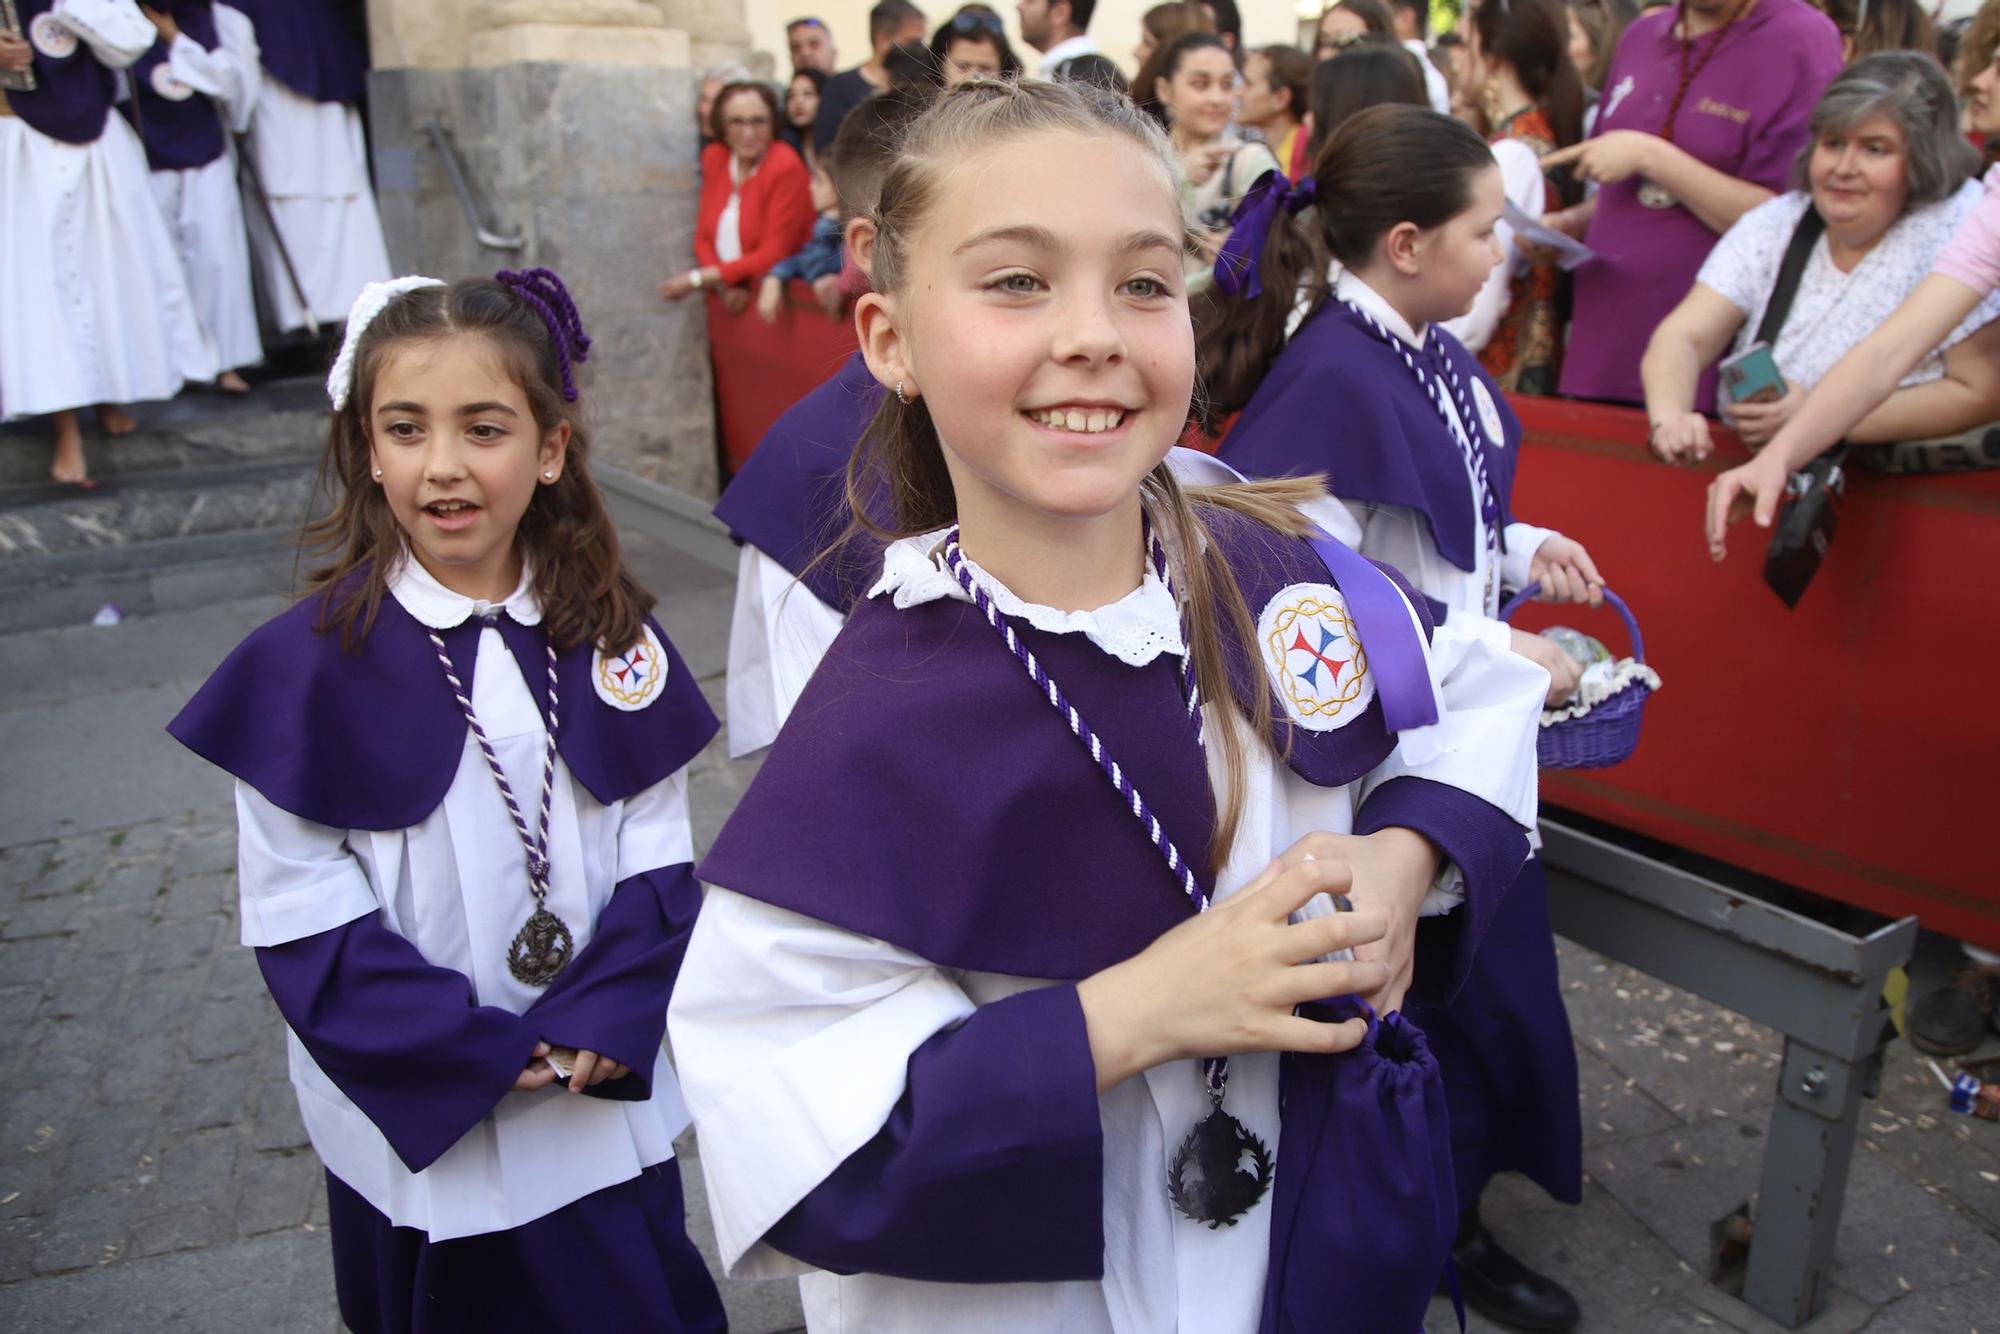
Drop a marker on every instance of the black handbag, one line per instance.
(1811, 504)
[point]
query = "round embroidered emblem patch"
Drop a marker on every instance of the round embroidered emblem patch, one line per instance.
(52, 37)
(633, 679)
(1316, 664)
(167, 86)
(1489, 413)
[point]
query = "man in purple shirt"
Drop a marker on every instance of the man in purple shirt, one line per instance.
(1705, 107)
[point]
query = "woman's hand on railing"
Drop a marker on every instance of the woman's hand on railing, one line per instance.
(1681, 437)
(736, 300)
(1755, 488)
(677, 287)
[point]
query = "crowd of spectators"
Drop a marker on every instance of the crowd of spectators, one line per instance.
(1681, 145)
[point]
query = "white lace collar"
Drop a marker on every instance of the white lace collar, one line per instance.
(439, 608)
(1354, 292)
(1135, 629)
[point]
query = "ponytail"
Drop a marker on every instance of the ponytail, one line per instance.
(1269, 264)
(1386, 165)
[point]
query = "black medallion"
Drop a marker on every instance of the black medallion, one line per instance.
(1220, 1172)
(541, 949)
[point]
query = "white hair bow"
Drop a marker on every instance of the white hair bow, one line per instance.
(374, 298)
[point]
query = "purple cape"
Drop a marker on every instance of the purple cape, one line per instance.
(923, 713)
(370, 739)
(790, 500)
(309, 48)
(72, 94)
(1339, 401)
(179, 133)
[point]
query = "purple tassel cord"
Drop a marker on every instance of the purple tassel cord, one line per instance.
(544, 291)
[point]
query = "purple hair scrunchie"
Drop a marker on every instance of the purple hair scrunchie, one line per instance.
(1242, 255)
(543, 290)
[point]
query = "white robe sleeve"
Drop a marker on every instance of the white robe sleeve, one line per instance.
(787, 1078)
(1523, 541)
(294, 878)
(654, 830)
(116, 31)
(778, 633)
(232, 74)
(1521, 179)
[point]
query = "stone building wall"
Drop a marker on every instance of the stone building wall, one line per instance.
(575, 122)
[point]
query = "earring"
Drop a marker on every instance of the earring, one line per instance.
(549, 473)
(900, 396)
(378, 474)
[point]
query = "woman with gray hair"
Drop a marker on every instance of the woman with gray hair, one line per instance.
(1888, 174)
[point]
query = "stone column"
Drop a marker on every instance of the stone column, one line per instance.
(574, 122)
(715, 29)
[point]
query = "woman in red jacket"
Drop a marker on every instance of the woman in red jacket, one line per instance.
(756, 199)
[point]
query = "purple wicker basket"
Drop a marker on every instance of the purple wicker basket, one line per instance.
(1610, 731)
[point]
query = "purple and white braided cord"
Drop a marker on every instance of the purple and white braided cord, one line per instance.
(537, 847)
(1460, 429)
(1215, 1069)
(954, 559)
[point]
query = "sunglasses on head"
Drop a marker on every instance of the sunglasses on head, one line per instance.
(974, 23)
(796, 24)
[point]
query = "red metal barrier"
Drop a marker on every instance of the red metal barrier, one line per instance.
(762, 369)
(1848, 747)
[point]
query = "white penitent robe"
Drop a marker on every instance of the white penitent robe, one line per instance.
(313, 164)
(794, 1036)
(94, 307)
(203, 206)
(454, 886)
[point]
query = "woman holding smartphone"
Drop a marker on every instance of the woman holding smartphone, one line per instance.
(1889, 175)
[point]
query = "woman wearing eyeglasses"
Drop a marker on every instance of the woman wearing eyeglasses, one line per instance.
(973, 44)
(756, 199)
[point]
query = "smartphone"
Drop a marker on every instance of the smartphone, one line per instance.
(1752, 376)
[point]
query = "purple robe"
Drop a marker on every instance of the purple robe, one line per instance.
(370, 738)
(184, 132)
(989, 1168)
(617, 1259)
(790, 499)
(1340, 401)
(73, 93)
(309, 47)
(1504, 1043)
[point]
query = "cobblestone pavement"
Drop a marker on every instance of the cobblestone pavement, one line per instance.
(154, 1174)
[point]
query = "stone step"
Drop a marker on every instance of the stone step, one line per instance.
(48, 519)
(164, 577)
(162, 443)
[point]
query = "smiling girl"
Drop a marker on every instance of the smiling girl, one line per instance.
(1191, 86)
(984, 1013)
(463, 839)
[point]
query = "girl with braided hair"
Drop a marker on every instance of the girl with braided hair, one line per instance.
(464, 849)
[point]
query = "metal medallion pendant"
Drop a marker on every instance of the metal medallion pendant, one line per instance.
(1220, 1171)
(1654, 195)
(541, 950)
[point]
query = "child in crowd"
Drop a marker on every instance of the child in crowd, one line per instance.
(464, 848)
(954, 1026)
(818, 258)
(94, 307)
(789, 503)
(194, 89)
(1421, 449)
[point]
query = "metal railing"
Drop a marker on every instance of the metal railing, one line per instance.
(475, 213)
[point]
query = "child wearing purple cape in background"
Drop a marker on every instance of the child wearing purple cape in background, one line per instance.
(1418, 447)
(464, 848)
(1022, 997)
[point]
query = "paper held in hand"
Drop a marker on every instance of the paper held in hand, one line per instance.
(14, 80)
(1570, 252)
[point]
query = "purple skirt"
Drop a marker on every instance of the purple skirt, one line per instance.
(1504, 1048)
(618, 1259)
